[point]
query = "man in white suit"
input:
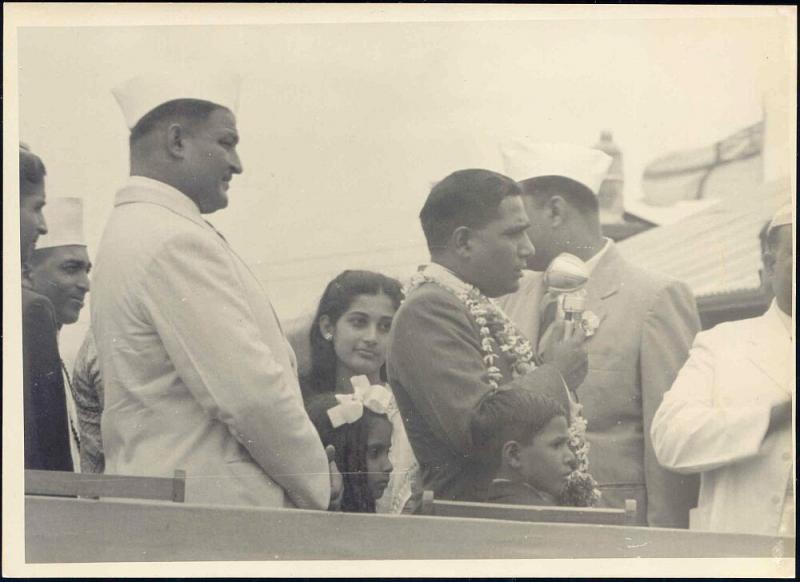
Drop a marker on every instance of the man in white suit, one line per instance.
(646, 326)
(197, 372)
(728, 416)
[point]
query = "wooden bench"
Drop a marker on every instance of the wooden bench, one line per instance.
(95, 486)
(530, 513)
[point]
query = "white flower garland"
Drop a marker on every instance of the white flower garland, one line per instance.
(496, 329)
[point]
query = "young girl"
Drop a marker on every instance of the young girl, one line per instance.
(525, 437)
(348, 339)
(361, 433)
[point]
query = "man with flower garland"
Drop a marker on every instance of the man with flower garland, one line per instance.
(645, 324)
(450, 346)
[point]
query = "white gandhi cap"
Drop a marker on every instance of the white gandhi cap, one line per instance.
(140, 95)
(781, 218)
(64, 217)
(524, 160)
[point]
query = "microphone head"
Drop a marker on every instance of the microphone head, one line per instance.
(566, 273)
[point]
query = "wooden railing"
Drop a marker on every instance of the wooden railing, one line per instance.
(81, 530)
(531, 513)
(95, 486)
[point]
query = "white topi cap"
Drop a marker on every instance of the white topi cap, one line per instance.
(781, 218)
(140, 95)
(524, 160)
(64, 217)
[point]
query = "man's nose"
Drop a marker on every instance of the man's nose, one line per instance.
(84, 282)
(236, 164)
(527, 249)
(387, 466)
(42, 226)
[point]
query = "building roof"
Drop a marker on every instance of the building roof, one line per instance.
(716, 251)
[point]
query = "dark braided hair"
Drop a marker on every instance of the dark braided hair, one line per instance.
(335, 301)
(350, 441)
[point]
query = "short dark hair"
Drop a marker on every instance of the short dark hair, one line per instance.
(464, 198)
(31, 170)
(187, 110)
(513, 414)
(576, 194)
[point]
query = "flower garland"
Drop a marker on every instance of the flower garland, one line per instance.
(498, 332)
(581, 488)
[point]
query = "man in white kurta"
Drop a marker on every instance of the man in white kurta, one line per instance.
(728, 414)
(197, 372)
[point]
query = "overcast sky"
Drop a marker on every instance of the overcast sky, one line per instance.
(344, 126)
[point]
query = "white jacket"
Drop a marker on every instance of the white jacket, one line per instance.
(714, 420)
(197, 372)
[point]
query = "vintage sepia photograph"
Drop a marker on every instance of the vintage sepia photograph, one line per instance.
(399, 290)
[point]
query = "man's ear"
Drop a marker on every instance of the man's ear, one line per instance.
(510, 454)
(176, 138)
(768, 258)
(557, 210)
(462, 241)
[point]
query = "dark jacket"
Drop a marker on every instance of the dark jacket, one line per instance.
(517, 493)
(438, 376)
(44, 400)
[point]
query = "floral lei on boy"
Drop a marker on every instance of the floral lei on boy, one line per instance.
(498, 332)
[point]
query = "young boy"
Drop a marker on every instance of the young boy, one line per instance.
(525, 437)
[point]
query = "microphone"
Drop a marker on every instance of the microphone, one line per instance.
(565, 279)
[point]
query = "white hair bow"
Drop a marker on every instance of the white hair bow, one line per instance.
(375, 397)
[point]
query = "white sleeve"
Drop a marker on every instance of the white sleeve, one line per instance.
(693, 431)
(204, 320)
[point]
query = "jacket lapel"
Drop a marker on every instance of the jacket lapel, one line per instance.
(139, 191)
(603, 284)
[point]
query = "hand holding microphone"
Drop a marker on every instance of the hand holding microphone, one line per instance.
(564, 337)
(565, 278)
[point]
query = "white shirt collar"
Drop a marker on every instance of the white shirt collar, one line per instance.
(446, 276)
(169, 195)
(592, 263)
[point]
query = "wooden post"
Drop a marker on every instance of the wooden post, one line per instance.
(179, 486)
(630, 512)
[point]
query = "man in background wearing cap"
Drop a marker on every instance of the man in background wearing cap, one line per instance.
(196, 370)
(646, 325)
(47, 444)
(59, 270)
(728, 416)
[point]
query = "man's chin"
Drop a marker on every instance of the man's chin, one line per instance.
(26, 250)
(218, 203)
(69, 318)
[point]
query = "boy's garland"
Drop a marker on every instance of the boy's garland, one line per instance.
(497, 331)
